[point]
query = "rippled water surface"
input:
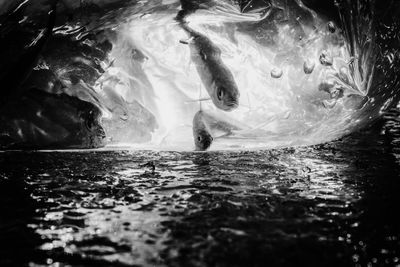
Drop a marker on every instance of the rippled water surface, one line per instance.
(328, 205)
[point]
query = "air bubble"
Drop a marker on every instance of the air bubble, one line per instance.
(308, 66)
(276, 73)
(331, 27)
(325, 58)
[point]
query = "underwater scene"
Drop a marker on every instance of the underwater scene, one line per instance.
(199, 133)
(194, 75)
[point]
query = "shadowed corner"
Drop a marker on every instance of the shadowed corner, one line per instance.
(18, 241)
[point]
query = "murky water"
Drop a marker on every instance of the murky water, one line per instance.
(328, 205)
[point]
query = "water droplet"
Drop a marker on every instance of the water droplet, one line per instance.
(329, 104)
(308, 66)
(331, 27)
(336, 93)
(325, 58)
(276, 73)
(356, 257)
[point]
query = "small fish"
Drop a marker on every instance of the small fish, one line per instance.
(214, 74)
(209, 126)
(201, 132)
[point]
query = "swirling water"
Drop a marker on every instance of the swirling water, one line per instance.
(327, 205)
(305, 76)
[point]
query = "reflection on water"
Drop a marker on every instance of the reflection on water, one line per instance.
(332, 204)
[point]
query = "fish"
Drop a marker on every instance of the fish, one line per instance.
(214, 74)
(201, 132)
(209, 126)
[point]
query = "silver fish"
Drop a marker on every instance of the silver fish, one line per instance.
(207, 127)
(210, 126)
(214, 74)
(201, 132)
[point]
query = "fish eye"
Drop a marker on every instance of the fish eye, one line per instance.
(220, 93)
(199, 138)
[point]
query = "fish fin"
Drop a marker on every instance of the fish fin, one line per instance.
(198, 100)
(253, 129)
(285, 116)
(261, 125)
(237, 133)
(222, 136)
(187, 41)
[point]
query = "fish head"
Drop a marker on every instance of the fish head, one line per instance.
(202, 139)
(226, 97)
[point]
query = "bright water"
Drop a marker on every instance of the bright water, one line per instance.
(328, 205)
(116, 72)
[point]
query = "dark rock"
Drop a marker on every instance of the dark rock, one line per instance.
(41, 120)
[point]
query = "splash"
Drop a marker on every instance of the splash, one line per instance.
(303, 78)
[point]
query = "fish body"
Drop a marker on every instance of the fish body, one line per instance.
(208, 126)
(201, 132)
(214, 74)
